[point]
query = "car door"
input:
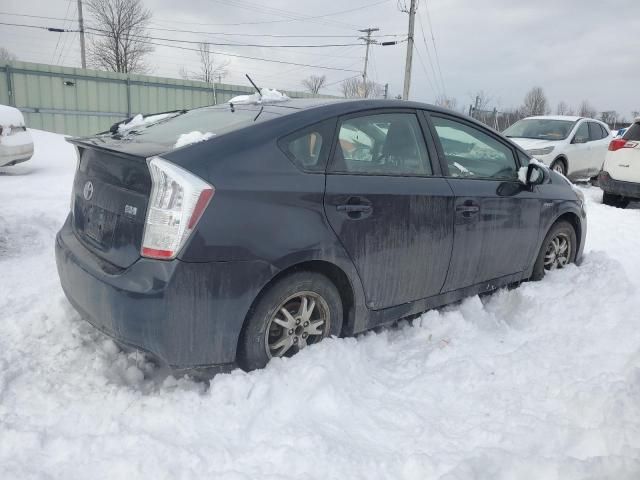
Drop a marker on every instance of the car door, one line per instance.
(599, 142)
(389, 205)
(579, 152)
(496, 217)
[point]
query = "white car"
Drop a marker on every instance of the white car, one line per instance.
(620, 177)
(573, 146)
(16, 144)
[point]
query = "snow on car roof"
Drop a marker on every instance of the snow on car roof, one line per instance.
(11, 116)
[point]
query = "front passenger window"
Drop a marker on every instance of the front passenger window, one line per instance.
(582, 135)
(472, 153)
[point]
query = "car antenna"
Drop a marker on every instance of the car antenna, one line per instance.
(254, 85)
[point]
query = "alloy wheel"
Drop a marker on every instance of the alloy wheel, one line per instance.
(558, 252)
(301, 320)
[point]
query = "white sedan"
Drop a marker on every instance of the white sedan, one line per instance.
(16, 144)
(620, 177)
(573, 146)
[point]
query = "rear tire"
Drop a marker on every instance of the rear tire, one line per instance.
(559, 165)
(612, 200)
(558, 249)
(298, 310)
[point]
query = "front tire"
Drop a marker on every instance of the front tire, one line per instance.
(617, 201)
(558, 249)
(298, 310)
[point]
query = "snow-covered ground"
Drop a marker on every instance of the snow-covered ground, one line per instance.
(539, 382)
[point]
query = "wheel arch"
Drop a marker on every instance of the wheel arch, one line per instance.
(574, 220)
(330, 270)
(564, 159)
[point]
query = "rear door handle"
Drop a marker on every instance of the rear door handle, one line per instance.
(470, 209)
(353, 208)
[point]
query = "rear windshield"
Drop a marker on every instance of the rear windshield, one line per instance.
(540, 128)
(633, 133)
(216, 120)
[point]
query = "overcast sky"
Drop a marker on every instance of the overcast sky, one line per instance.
(574, 49)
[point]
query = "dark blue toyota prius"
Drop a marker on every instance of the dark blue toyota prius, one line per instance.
(300, 220)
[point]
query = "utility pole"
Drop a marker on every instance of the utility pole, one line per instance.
(81, 25)
(386, 91)
(407, 67)
(368, 41)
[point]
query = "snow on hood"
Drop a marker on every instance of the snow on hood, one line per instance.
(140, 120)
(533, 143)
(268, 95)
(192, 137)
(10, 117)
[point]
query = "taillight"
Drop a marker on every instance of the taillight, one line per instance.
(178, 200)
(618, 143)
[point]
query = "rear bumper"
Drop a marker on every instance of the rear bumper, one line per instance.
(618, 187)
(187, 315)
(12, 154)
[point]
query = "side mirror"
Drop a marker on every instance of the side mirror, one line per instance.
(580, 140)
(535, 174)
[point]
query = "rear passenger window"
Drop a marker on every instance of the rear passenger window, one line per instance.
(471, 153)
(596, 132)
(308, 149)
(382, 144)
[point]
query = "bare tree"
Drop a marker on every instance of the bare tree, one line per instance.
(609, 117)
(209, 69)
(356, 88)
(635, 114)
(314, 83)
(6, 56)
(564, 109)
(587, 110)
(120, 41)
(535, 102)
(446, 102)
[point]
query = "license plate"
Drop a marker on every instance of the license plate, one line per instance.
(98, 224)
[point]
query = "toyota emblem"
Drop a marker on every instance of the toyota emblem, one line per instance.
(87, 192)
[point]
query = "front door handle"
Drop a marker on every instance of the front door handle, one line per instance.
(467, 209)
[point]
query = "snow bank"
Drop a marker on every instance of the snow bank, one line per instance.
(192, 137)
(538, 382)
(10, 116)
(139, 120)
(267, 96)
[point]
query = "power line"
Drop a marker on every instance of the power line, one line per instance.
(435, 48)
(291, 16)
(424, 68)
(438, 89)
(235, 55)
(204, 32)
(235, 44)
(55, 49)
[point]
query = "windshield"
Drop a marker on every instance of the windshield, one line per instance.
(215, 120)
(540, 128)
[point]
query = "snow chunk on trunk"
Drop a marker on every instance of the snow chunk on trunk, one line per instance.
(140, 120)
(267, 95)
(11, 117)
(192, 137)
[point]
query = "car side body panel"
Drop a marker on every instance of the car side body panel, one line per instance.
(266, 218)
